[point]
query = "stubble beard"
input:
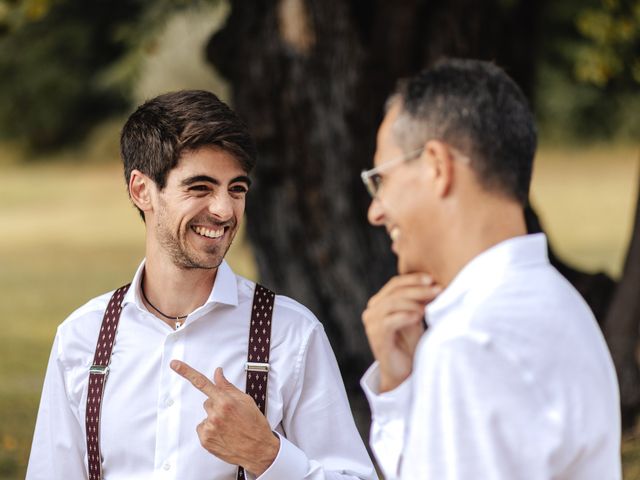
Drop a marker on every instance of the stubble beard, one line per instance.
(181, 256)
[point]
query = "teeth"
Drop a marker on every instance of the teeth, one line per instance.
(394, 233)
(206, 232)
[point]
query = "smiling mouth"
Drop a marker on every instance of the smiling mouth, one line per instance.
(209, 232)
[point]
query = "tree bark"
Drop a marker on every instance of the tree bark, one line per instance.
(622, 327)
(313, 116)
(310, 78)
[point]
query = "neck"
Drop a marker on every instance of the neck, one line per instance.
(475, 233)
(175, 291)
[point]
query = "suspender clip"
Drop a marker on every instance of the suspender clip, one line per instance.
(256, 367)
(99, 369)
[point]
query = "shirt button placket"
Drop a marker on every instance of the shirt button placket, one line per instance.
(169, 421)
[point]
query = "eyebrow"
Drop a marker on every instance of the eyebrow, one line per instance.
(206, 178)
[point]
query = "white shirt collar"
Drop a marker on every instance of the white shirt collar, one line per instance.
(481, 272)
(225, 288)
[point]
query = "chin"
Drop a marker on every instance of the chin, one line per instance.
(407, 265)
(404, 266)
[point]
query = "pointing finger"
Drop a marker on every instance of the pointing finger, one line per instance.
(221, 380)
(197, 379)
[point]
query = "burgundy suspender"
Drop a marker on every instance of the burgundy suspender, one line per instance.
(97, 378)
(258, 353)
(257, 366)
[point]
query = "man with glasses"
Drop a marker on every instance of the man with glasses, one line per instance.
(512, 378)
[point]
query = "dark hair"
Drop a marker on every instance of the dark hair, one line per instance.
(476, 108)
(163, 128)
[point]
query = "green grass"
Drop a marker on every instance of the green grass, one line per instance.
(68, 233)
(586, 198)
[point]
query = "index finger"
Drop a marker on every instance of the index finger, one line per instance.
(415, 282)
(408, 279)
(197, 379)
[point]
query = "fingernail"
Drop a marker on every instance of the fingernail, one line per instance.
(426, 279)
(174, 364)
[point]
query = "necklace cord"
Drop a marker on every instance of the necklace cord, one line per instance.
(170, 317)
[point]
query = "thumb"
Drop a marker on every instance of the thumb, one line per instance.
(221, 381)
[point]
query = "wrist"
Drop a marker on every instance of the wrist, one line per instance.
(391, 380)
(266, 456)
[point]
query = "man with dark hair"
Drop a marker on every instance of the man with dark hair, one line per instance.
(187, 158)
(512, 378)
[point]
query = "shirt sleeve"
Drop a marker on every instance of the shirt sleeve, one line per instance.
(322, 441)
(477, 414)
(388, 420)
(58, 449)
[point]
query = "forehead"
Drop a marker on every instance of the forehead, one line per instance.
(387, 147)
(211, 161)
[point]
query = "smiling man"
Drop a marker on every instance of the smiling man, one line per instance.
(512, 378)
(148, 381)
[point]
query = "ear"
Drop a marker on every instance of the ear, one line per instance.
(441, 159)
(141, 189)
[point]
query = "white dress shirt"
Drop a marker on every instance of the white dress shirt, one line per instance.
(512, 380)
(150, 413)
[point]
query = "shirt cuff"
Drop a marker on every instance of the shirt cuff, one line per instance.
(290, 463)
(388, 406)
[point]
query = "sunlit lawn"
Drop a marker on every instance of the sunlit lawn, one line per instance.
(68, 233)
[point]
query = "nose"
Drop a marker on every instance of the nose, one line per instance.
(375, 214)
(221, 206)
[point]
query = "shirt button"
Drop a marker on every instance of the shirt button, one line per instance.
(169, 402)
(166, 466)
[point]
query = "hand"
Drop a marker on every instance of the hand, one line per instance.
(234, 429)
(393, 321)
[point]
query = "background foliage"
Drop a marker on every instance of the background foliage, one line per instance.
(587, 85)
(67, 65)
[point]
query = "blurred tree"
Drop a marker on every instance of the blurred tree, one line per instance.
(622, 327)
(50, 58)
(66, 65)
(310, 77)
(613, 53)
(587, 84)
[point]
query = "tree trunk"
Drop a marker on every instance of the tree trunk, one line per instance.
(622, 327)
(297, 77)
(310, 78)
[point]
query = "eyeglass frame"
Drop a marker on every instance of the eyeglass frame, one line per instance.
(368, 176)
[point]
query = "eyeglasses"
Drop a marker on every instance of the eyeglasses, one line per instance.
(372, 179)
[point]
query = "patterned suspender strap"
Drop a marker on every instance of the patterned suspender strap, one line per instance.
(259, 346)
(98, 377)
